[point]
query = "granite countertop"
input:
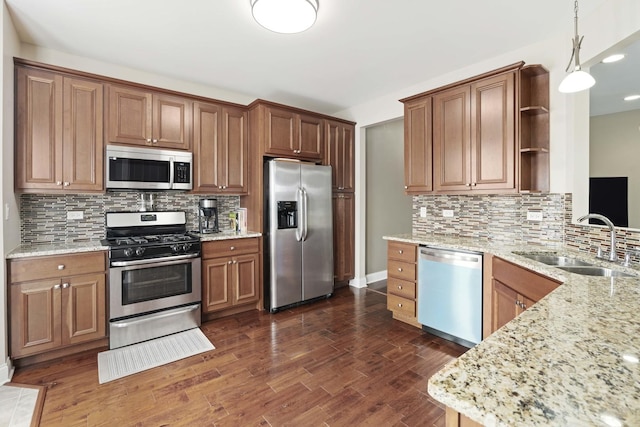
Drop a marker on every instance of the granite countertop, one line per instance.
(569, 360)
(25, 251)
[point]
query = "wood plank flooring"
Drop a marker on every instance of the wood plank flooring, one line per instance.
(339, 362)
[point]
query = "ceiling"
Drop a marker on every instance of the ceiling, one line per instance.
(357, 51)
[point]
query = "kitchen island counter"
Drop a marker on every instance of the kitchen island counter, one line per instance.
(570, 359)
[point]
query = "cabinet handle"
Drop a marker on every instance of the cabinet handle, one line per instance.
(61, 267)
(56, 287)
(399, 269)
(65, 285)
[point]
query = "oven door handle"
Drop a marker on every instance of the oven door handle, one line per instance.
(156, 261)
(155, 316)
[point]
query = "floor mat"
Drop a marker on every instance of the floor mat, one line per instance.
(118, 363)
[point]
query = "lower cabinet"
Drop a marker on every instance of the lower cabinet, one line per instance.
(51, 307)
(514, 289)
(231, 275)
(402, 276)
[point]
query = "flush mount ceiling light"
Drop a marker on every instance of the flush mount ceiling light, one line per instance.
(285, 16)
(613, 58)
(631, 97)
(577, 80)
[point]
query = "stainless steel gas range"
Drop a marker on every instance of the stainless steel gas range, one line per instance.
(154, 276)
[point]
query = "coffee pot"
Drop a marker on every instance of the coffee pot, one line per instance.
(208, 216)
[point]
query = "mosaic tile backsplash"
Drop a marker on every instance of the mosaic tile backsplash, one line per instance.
(44, 216)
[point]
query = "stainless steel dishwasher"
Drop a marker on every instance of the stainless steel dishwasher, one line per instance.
(450, 294)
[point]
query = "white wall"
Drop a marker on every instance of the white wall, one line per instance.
(9, 228)
(612, 22)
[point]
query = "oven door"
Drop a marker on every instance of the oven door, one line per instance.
(143, 286)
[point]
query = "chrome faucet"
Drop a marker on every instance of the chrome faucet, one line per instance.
(613, 255)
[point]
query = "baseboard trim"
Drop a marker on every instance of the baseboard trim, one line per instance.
(358, 282)
(377, 276)
(6, 372)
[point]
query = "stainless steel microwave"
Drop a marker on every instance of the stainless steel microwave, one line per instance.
(140, 168)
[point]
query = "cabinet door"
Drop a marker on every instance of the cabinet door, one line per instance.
(215, 282)
(348, 163)
(343, 236)
(244, 280)
(281, 133)
(83, 308)
(310, 136)
(339, 154)
(504, 308)
(451, 140)
(418, 146)
(493, 133)
(171, 121)
(129, 116)
(38, 129)
(234, 150)
(35, 317)
(206, 142)
(82, 137)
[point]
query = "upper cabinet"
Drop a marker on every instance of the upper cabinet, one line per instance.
(220, 148)
(464, 137)
(290, 133)
(59, 143)
(140, 117)
(340, 154)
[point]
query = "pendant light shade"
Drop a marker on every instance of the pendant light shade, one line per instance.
(577, 80)
(285, 16)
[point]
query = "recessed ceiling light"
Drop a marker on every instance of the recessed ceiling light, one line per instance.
(613, 58)
(631, 97)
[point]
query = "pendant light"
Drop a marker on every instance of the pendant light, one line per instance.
(285, 16)
(577, 80)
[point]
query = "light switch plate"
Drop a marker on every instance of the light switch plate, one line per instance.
(534, 216)
(75, 215)
(447, 213)
(423, 212)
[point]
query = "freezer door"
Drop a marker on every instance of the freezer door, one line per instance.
(317, 231)
(285, 262)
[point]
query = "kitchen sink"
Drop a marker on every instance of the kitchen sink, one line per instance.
(594, 270)
(555, 260)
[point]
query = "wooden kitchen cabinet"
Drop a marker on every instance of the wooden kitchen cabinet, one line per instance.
(340, 154)
(514, 289)
(220, 149)
(343, 237)
(402, 279)
(418, 146)
(474, 136)
(56, 302)
(231, 277)
(140, 117)
(292, 133)
(59, 143)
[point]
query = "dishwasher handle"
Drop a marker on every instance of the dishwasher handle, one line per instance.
(461, 259)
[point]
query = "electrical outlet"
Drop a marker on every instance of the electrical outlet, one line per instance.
(534, 216)
(75, 214)
(447, 213)
(423, 212)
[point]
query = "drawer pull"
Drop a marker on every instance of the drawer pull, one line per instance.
(400, 304)
(399, 268)
(400, 251)
(400, 287)
(61, 267)
(232, 248)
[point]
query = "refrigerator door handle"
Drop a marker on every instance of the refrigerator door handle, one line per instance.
(305, 199)
(300, 213)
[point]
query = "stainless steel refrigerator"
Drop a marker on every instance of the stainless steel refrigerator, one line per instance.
(299, 233)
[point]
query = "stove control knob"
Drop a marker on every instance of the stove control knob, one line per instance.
(175, 248)
(128, 252)
(139, 251)
(186, 247)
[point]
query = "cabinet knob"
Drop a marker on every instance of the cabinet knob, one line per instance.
(219, 187)
(229, 262)
(235, 261)
(61, 267)
(474, 184)
(155, 141)
(232, 248)
(400, 251)
(148, 140)
(406, 187)
(65, 285)
(399, 268)
(400, 287)
(66, 184)
(58, 182)
(400, 304)
(56, 287)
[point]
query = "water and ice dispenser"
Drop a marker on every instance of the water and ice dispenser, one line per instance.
(287, 214)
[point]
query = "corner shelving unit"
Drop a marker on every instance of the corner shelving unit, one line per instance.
(534, 129)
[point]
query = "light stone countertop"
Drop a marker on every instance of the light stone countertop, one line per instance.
(25, 251)
(569, 360)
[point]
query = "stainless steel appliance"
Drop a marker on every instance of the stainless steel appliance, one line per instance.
(140, 168)
(154, 276)
(450, 294)
(208, 216)
(299, 233)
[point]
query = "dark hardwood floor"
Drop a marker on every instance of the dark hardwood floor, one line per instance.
(339, 362)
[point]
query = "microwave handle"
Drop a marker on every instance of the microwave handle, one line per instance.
(171, 172)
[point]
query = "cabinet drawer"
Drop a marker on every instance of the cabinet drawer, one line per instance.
(231, 247)
(45, 267)
(401, 288)
(401, 270)
(401, 305)
(402, 251)
(525, 282)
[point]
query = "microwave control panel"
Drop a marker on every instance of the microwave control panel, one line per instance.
(181, 172)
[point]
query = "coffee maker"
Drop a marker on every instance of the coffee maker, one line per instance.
(208, 216)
